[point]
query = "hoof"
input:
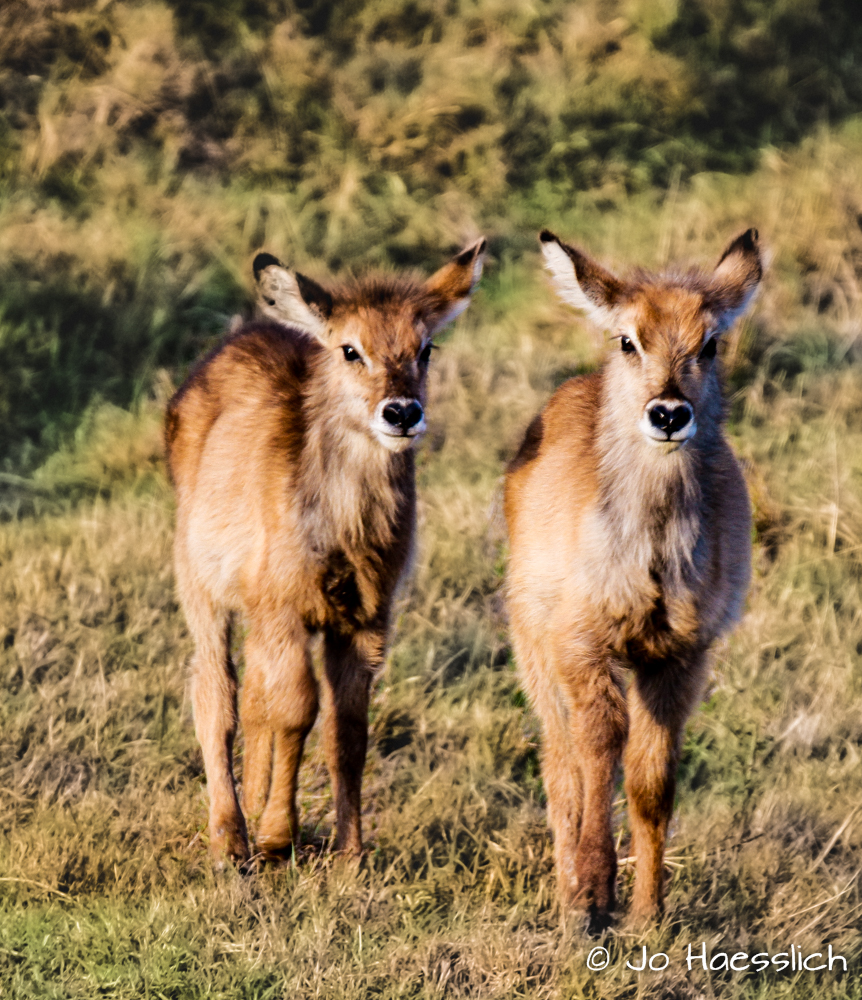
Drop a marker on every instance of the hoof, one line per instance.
(275, 839)
(275, 848)
(577, 900)
(597, 921)
(642, 917)
(348, 840)
(349, 852)
(229, 845)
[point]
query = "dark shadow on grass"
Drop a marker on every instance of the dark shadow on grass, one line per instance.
(67, 340)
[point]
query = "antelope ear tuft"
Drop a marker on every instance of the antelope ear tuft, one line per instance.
(580, 281)
(290, 297)
(449, 290)
(735, 280)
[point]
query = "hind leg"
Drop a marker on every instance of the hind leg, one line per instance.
(257, 736)
(279, 707)
(350, 664)
(214, 703)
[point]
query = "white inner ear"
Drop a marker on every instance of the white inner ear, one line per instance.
(558, 262)
(278, 297)
(478, 264)
(454, 309)
(734, 270)
(725, 320)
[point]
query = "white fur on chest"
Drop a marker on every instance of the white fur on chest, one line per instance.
(641, 539)
(348, 498)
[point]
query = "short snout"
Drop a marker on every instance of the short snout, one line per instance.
(398, 422)
(402, 417)
(668, 422)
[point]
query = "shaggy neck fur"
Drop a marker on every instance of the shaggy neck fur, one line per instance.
(655, 503)
(352, 491)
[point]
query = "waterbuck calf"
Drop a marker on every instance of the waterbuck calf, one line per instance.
(629, 527)
(290, 451)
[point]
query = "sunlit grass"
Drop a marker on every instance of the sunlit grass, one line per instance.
(144, 160)
(106, 883)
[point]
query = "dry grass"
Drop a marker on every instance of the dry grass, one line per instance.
(106, 889)
(138, 180)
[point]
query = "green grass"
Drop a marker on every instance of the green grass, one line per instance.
(149, 148)
(106, 888)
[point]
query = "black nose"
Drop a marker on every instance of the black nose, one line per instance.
(399, 415)
(669, 418)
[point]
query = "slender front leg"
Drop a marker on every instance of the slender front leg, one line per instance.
(660, 699)
(578, 694)
(279, 707)
(350, 663)
(214, 702)
(564, 787)
(561, 767)
(598, 728)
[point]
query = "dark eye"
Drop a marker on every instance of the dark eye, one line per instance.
(350, 353)
(425, 354)
(626, 345)
(709, 349)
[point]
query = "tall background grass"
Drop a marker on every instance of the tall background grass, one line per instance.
(147, 151)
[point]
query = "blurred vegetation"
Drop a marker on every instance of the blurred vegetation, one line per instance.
(147, 149)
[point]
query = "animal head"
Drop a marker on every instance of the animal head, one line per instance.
(663, 377)
(378, 333)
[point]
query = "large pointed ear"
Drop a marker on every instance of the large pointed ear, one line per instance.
(735, 280)
(580, 281)
(290, 297)
(450, 289)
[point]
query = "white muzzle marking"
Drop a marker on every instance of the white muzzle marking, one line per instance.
(668, 424)
(396, 436)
